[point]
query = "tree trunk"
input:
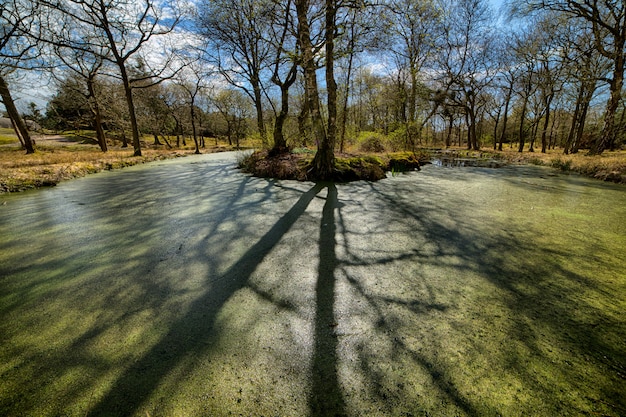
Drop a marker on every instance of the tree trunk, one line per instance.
(193, 126)
(575, 120)
(506, 117)
(97, 115)
(324, 164)
(17, 133)
(521, 125)
(344, 112)
(134, 126)
(546, 124)
(258, 104)
(303, 117)
(280, 143)
(607, 139)
(323, 161)
(14, 115)
(449, 134)
(495, 129)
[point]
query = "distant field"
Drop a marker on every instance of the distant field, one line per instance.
(7, 136)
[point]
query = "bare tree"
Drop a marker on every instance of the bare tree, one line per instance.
(120, 32)
(308, 50)
(193, 81)
(237, 32)
(585, 67)
(16, 48)
(413, 28)
(607, 19)
(87, 66)
(234, 107)
(285, 68)
(466, 59)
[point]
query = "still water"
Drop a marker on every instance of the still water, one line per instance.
(187, 288)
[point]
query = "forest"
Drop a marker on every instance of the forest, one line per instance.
(380, 75)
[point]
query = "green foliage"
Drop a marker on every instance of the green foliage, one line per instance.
(371, 142)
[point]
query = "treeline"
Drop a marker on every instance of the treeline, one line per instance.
(540, 74)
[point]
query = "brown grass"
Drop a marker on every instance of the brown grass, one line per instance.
(610, 166)
(50, 165)
(59, 158)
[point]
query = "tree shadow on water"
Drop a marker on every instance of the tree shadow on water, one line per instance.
(193, 332)
(326, 395)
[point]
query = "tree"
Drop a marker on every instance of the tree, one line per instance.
(87, 66)
(323, 165)
(607, 19)
(505, 79)
(234, 107)
(119, 32)
(549, 71)
(237, 32)
(16, 48)
(285, 54)
(584, 67)
(323, 162)
(413, 27)
(192, 80)
(466, 59)
(69, 107)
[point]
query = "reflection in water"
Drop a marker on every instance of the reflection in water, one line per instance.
(467, 162)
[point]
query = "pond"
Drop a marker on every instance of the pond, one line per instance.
(187, 288)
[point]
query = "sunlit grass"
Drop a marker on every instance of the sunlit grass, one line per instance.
(7, 137)
(51, 164)
(610, 166)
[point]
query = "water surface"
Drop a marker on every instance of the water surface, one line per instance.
(187, 288)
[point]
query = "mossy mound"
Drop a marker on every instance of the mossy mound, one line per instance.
(403, 162)
(367, 168)
(296, 166)
(283, 166)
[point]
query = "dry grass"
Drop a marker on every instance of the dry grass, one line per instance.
(49, 166)
(610, 166)
(56, 161)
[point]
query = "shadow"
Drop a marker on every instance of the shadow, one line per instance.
(326, 398)
(396, 298)
(195, 329)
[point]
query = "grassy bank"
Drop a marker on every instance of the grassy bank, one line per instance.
(348, 167)
(51, 165)
(610, 166)
(73, 156)
(76, 156)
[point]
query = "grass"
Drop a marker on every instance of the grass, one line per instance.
(610, 166)
(51, 165)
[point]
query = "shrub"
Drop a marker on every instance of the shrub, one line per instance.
(562, 164)
(372, 142)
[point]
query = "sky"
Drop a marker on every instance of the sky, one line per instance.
(37, 88)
